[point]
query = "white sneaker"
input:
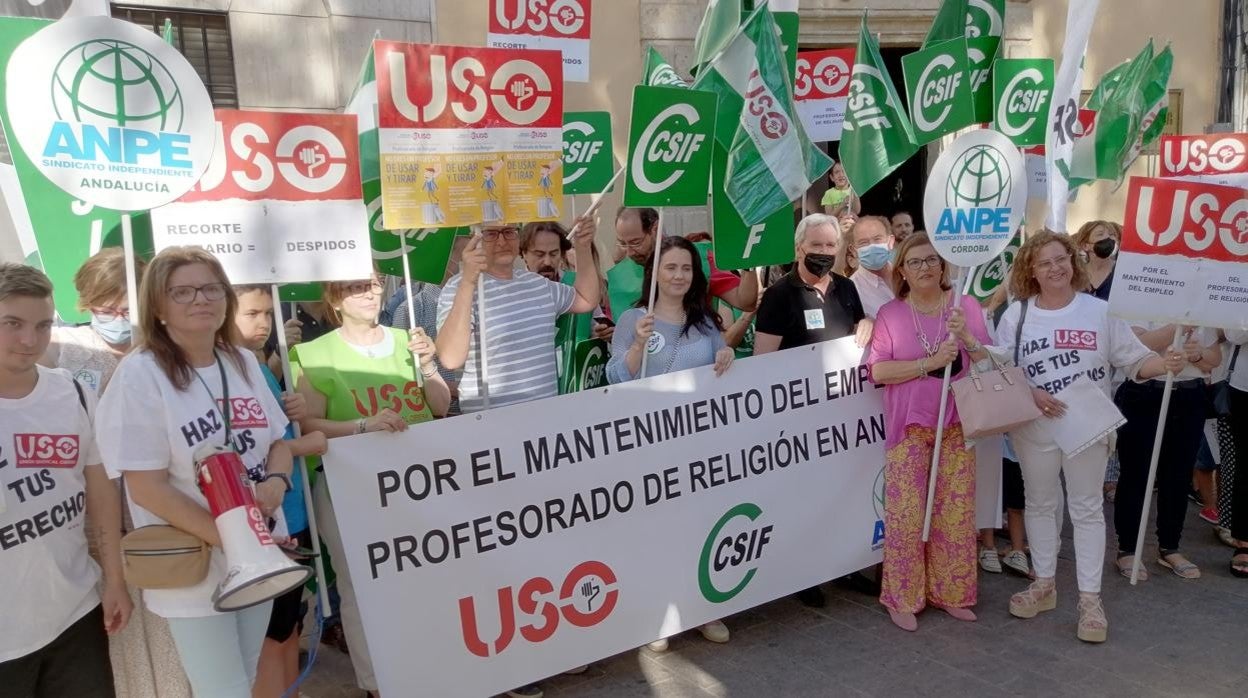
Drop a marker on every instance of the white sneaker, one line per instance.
(658, 645)
(989, 561)
(1016, 561)
(715, 631)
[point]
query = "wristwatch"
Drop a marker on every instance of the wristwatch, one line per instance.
(360, 426)
(280, 476)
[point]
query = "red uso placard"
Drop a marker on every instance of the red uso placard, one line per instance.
(1203, 155)
(557, 19)
(281, 156)
(430, 86)
(823, 74)
(1190, 219)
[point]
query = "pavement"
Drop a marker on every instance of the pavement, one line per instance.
(1167, 637)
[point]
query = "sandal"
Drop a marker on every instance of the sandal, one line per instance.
(1181, 566)
(1239, 567)
(1093, 626)
(1123, 563)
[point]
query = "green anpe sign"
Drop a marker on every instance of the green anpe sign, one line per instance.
(669, 147)
(1022, 89)
(939, 89)
(588, 162)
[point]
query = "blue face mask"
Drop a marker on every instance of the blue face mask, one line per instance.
(874, 257)
(116, 331)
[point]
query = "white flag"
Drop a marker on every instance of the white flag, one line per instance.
(1064, 110)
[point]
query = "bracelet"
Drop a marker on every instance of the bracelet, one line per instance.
(429, 374)
(360, 426)
(972, 348)
(922, 368)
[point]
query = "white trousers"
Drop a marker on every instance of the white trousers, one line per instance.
(1043, 464)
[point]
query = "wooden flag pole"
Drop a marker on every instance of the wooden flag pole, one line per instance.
(322, 588)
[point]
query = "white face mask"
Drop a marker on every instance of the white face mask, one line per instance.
(874, 257)
(116, 331)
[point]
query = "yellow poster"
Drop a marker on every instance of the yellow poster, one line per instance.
(444, 189)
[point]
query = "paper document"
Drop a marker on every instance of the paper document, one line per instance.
(1090, 416)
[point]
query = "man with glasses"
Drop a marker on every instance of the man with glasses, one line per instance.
(635, 233)
(810, 304)
(520, 309)
(874, 241)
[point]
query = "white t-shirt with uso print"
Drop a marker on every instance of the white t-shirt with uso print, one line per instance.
(1059, 345)
(47, 579)
(145, 423)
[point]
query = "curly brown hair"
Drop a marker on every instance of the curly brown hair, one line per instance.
(1023, 282)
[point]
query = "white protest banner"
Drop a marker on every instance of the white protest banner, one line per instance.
(1184, 256)
(1216, 158)
(821, 89)
(559, 25)
(491, 550)
(975, 198)
(1064, 124)
(468, 135)
(109, 112)
(281, 201)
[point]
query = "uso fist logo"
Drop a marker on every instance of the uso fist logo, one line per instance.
(1204, 155)
(1192, 219)
(823, 74)
(46, 450)
(281, 156)
(246, 413)
(772, 122)
(1075, 339)
(556, 18)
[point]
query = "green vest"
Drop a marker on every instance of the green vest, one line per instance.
(570, 329)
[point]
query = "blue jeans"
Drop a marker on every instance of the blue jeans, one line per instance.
(220, 653)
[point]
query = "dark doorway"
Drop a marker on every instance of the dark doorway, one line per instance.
(902, 189)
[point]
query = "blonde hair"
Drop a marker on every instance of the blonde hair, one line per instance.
(102, 278)
(1084, 234)
(155, 292)
(901, 287)
(1023, 284)
(333, 293)
(21, 280)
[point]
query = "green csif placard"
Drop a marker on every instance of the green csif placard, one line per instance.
(588, 159)
(938, 87)
(1022, 90)
(669, 147)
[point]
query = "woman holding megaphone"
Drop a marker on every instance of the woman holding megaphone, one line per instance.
(185, 388)
(358, 379)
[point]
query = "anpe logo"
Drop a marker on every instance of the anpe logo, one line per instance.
(109, 112)
(877, 502)
(1202, 155)
(937, 86)
(1187, 218)
(560, 18)
(1074, 339)
(666, 145)
(977, 192)
(829, 77)
(1023, 98)
(46, 450)
(579, 148)
(586, 598)
(735, 541)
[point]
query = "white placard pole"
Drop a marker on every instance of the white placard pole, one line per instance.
(411, 305)
(940, 418)
(654, 285)
(322, 588)
(132, 276)
(1175, 345)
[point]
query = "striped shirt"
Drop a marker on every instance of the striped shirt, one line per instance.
(520, 315)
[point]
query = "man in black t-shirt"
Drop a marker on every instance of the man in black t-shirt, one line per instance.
(810, 304)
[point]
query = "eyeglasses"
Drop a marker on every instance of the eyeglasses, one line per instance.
(187, 294)
(108, 314)
(1047, 264)
(360, 288)
(925, 263)
(506, 233)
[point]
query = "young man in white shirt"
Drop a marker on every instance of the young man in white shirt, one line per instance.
(52, 488)
(873, 241)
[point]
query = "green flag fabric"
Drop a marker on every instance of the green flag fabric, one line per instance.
(428, 250)
(771, 161)
(719, 24)
(1156, 95)
(950, 23)
(1119, 100)
(877, 135)
(658, 72)
(985, 18)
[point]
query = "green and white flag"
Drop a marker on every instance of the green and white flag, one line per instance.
(771, 161)
(982, 24)
(428, 250)
(1156, 103)
(877, 135)
(1109, 148)
(658, 72)
(719, 24)
(739, 245)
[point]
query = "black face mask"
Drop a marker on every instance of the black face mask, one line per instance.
(1105, 248)
(819, 264)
